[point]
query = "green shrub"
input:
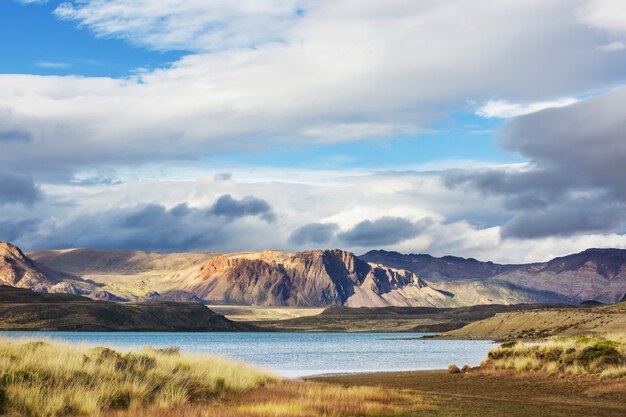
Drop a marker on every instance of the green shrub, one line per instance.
(508, 345)
(605, 351)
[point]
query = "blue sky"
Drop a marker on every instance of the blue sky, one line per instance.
(491, 129)
(32, 36)
(38, 42)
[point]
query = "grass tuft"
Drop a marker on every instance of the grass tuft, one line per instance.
(579, 355)
(43, 379)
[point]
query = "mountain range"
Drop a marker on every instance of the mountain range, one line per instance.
(315, 277)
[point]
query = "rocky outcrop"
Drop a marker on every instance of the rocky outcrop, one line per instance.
(106, 296)
(310, 278)
(175, 296)
(18, 270)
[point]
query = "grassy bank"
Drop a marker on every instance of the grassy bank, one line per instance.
(580, 355)
(43, 379)
(51, 379)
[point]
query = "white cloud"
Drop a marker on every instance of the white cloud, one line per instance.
(32, 1)
(195, 25)
(504, 109)
(260, 75)
(613, 46)
(609, 15)
(345, 201)
(344, 70)
(52, 64)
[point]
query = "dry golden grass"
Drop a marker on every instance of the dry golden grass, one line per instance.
(299, 399)
(580, 355)
(42, 379)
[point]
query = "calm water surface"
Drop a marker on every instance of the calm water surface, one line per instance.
(300, 354)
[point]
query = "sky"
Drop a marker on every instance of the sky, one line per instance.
(491, 129)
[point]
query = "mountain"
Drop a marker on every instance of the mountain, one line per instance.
(594, 274)
(18, 270)
(435, 269)
(23, 309)
(310, 278)
(326, 277)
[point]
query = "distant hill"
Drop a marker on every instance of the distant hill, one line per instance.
(539, 323)
(23, 309)
(592, 275)
(401, 319)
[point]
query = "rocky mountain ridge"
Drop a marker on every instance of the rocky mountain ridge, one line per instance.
(316, 277)
(309, 278)
(594, 274)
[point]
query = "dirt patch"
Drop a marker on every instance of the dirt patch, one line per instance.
(502, 393)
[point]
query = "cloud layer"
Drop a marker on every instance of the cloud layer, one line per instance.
(128, 162)
(340, 71)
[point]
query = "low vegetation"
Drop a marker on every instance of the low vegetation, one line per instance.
(41, 379)
(302, 399)
(580, 355)
(44, 379)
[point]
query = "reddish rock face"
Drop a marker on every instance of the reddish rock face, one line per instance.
(310, 278)
(17, 270)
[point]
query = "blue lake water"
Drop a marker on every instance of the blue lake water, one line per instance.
(299, 354)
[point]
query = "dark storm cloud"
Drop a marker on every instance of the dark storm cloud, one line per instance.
(383, 231)
(16, 188)
(566, 220)
(575, 180)
(229, 207)
(12, 231)
(147, 227)
(313, 233)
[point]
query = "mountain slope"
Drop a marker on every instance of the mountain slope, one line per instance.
(594, 274)
(435, 269)
(18, 270)
(562, 321)
(22, 309)
(310, 278)
(336, 277)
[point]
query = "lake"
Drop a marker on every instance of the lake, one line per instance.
(299, 354)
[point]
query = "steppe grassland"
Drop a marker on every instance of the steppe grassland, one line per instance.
(40, 378)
